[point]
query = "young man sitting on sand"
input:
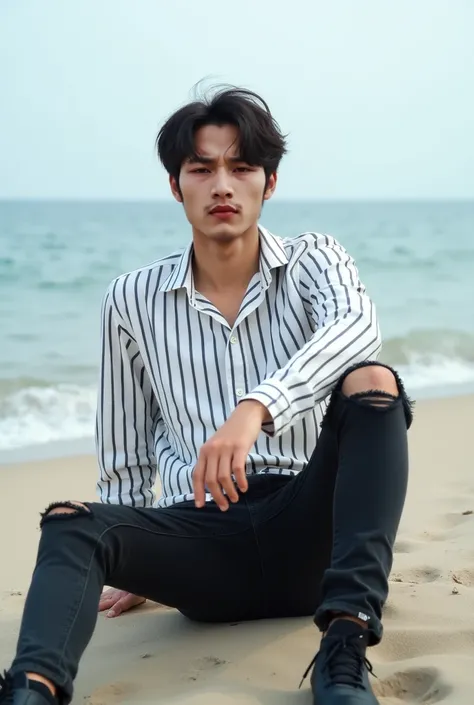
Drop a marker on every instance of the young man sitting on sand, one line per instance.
(244, 370)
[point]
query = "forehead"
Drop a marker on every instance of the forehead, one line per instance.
(217, 140)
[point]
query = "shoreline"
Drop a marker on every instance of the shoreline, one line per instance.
(86, 446)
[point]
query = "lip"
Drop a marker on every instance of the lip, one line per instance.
(223, 211)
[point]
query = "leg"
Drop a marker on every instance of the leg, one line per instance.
(327, 538)
(370, 414)
(66, 508)
(150, 552)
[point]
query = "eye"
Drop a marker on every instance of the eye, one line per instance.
(199, 170)
(242, 169)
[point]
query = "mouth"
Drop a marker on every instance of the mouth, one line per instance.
(223, 211)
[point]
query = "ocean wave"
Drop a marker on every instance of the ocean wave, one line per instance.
(39, 414)
(428, 347)
(33, 412)
(436, 373)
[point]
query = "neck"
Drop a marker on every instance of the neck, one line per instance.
(225, 266)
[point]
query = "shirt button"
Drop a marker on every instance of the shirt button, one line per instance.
(239, 392)
(233, 340)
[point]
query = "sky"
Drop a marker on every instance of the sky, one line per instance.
(377, 96)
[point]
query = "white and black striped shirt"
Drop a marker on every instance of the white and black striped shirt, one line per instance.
(172, 369)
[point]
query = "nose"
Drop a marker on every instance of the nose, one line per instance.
(221, 188)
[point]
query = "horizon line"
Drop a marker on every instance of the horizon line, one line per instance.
(281, 199)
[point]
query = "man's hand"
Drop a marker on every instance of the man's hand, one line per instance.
(225, 454)
(118, 601)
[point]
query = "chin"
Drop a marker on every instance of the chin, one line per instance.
(224, 233)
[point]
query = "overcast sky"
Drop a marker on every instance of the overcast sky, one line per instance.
(377, 95)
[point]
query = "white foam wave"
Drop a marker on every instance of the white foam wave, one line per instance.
(435, 372)
(39, 415)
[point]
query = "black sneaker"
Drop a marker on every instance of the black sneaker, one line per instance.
(341, 671)
(16, 691)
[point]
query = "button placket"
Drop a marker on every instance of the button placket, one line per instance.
(238, 362)
(235, 349)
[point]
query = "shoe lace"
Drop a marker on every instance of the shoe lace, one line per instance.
(6, 688)
(344, 662)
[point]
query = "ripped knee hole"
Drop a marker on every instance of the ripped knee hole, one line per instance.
(67, 508)
(377, 398)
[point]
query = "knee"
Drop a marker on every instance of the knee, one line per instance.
(63, 509)
(376, 385)
(370, 378)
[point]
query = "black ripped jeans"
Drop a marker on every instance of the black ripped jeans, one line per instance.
(314, 544)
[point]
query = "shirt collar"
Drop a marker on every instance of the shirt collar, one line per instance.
(181, 275)
(272, 255)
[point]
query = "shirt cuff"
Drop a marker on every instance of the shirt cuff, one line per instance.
(275, 398)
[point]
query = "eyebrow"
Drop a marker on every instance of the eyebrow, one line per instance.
(197, 159)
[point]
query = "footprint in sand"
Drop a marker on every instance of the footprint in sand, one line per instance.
(423, 685)
(464, 576)
(203, 665)
(448, 522)
(111, 694)
(420, 574)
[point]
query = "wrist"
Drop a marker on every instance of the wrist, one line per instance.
(259, 409)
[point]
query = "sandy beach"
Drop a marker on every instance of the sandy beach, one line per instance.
(154, 655)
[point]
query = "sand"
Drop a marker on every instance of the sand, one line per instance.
(154, 655)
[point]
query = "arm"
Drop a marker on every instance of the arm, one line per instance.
(127, 414)
(347, 332)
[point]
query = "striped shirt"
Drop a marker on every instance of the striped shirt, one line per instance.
(173, 369)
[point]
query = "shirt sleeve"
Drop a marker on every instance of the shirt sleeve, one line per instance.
(127, 413)
(347, 332)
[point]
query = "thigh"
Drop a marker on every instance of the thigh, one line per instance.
(294, 528)
(203, 561)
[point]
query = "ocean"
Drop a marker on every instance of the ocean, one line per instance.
(56, 259)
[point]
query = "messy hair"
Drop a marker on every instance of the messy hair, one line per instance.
(260, 140)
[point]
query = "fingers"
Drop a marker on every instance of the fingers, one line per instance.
(115, 610)
(215, 470)
(198, 481)
(125, 603)
(108, 598)
(238, 468)
(118, 601)
(224, 477)
(213, 478)
(105, 603)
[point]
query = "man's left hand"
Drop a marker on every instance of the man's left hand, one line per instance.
(225, 455)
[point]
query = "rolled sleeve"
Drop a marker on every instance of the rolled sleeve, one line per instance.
(275, 396)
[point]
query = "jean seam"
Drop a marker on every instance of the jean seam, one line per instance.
(99, 539)
(166, 533)
(79, 605)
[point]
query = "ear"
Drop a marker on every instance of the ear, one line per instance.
(271, 186)
(175, 189)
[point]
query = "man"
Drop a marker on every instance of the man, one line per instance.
(218, 366)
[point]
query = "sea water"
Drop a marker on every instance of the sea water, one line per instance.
(57, 258)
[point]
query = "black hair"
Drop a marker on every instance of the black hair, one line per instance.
(260, 140)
